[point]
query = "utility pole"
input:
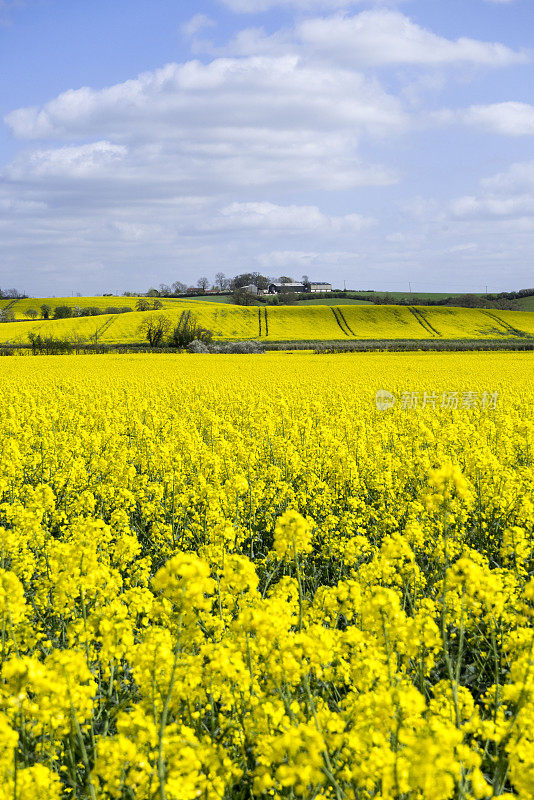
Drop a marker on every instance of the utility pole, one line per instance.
(410, 286)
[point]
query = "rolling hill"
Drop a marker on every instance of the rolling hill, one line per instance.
(280, 323)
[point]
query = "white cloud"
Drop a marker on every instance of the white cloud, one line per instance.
(233, 122)
(83, 161)
(267, 216)
(508, 195)
(197, 23)
(383, 37)
(254, 93)
(375, 37)
(517, 179)
(508, 118)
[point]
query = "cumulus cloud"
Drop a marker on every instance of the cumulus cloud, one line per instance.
(268, 217)
(375, 37)
(233, 122)
(253, 93)
(509, 118)
(383, 37)
(507, 195)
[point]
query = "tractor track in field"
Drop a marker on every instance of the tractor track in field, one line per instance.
(338, 320)
(342, 315)
(423, 321)
(507, 327)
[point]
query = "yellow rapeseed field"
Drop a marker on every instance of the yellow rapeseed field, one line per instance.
(229, 577)
(278, 323)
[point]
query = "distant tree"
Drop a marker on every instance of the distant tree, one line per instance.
(178, 287)
(505, 305)
(188, 330)
(384, 299)
(142, 305)
(152, 292)
(164, 290)
(467, 301)
(285, 279)
(203, 283)
(155, 328)
(246, 278)
(31, 313)
(221, 281)
(90, 311)
(6, 315)
(46, 310)
(62, 312)
(242, 298)
(305, 279)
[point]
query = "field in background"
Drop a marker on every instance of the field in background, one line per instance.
(19, 307)
(287, 323)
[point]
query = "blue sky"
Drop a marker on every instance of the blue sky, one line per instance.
(373, 143)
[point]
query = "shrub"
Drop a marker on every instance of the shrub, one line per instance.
(246, 347)
(48, 345)
(196, 346)
(63, 312)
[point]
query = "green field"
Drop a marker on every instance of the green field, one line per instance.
(281, 323)
(335, 301)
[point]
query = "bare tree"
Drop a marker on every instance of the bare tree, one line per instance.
(155, 328)
(178, 287)
(203, 283)
(31, 313)
(221, 281)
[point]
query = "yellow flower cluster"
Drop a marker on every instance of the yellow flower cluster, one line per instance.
(221, 579)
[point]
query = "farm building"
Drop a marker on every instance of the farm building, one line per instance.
(316, 286)
(311, 286)
(285, 288)
(250, 288)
